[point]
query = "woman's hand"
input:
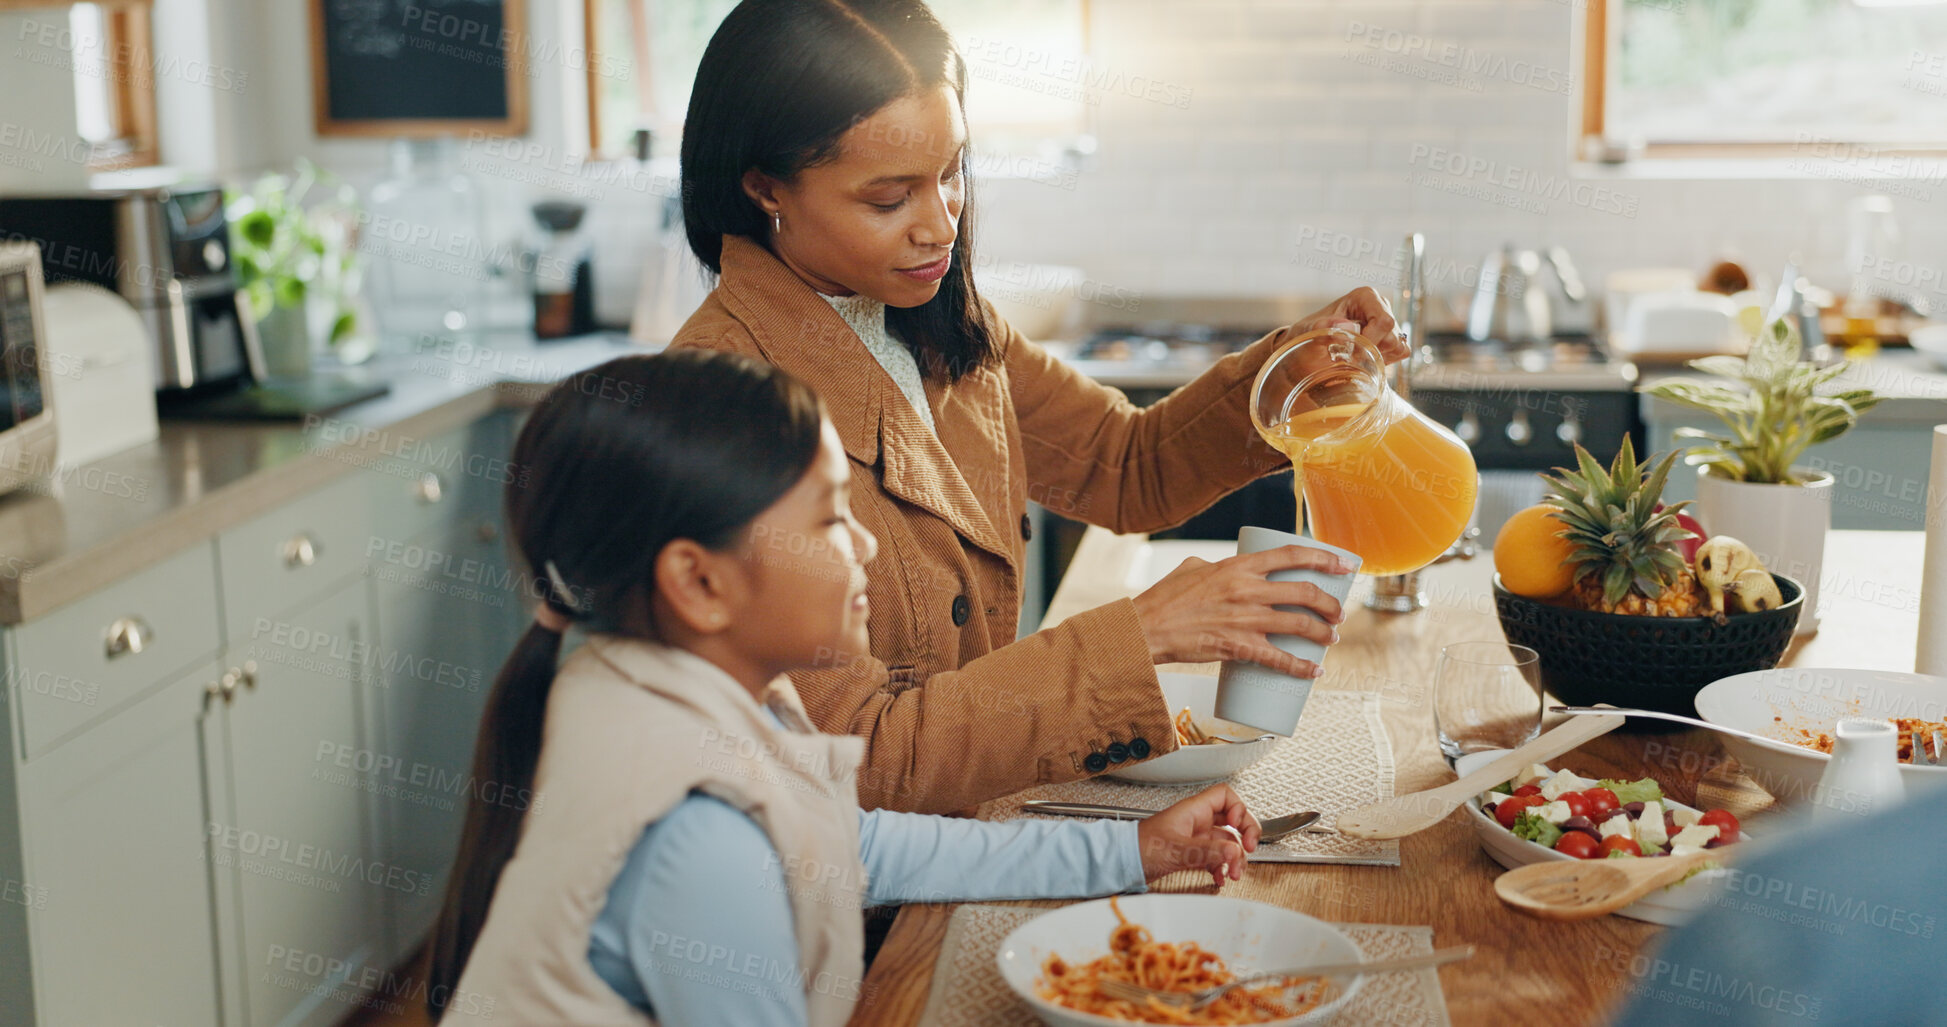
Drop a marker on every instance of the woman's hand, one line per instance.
(1193, 835)
(1204, 612)
(1366, 309)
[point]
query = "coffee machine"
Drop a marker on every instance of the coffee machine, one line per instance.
(166, 250)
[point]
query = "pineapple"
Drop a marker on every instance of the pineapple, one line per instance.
(1626, 554)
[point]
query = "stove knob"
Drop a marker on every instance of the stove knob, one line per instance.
(1469, 428)
(1569, 431)
(1519, 431)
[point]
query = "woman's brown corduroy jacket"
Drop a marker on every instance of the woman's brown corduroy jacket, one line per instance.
(953, 710)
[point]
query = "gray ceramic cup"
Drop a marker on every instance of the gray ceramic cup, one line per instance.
(1255, 695)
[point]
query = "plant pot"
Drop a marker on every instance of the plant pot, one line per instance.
(284, 335)
(1785, 525)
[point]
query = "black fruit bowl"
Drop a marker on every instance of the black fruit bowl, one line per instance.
(1651, 663)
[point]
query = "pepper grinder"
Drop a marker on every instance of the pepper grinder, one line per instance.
(563, 278)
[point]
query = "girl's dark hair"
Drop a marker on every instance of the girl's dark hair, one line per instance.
(615, 463)
(780, 82)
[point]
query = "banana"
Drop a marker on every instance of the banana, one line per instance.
(1719, 561)
(1755, 590)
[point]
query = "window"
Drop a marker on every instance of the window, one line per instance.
(1765, 76)
(108, 48)
(643, 56)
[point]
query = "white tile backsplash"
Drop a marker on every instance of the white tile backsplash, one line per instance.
(1302, 121)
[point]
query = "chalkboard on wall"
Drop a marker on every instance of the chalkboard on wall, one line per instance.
(418, 67)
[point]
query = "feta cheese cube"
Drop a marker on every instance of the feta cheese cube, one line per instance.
(1536, 772)
(1615, 827)
(1649, 826)
(1489, 800)
(1685, 850)
(1563, 781)
(1554, 812)
(1684, 816)
(1693, 837)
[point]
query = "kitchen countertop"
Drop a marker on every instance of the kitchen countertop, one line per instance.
(94, 524)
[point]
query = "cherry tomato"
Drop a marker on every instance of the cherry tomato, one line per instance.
(1508, 810)
(1578, 803)
(1577, 844)
(1723, 821)
(1601, 799)
(1620, 843)
(1528, 790)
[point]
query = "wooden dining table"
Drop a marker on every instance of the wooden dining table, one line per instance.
(1525, 970)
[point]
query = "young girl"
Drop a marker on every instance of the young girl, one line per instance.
(696, 853)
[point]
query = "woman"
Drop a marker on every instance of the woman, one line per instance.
(695, 853)
(824, 180)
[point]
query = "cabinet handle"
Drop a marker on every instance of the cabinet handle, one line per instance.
(224, 688)
(302, 550)
(127, 636)
(247, 674)
(428, 489)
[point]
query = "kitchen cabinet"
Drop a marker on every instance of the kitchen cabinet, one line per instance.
(240, 774)
(291, 833)
(117, 880)
(448, 608)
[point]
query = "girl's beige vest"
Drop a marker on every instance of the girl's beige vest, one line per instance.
(632, 727)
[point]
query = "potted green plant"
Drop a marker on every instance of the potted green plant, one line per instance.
(1750, 485)
(299, 269)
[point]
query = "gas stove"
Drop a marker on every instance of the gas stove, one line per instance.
(1452, 362)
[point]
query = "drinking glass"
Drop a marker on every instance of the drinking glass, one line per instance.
(1486, 695)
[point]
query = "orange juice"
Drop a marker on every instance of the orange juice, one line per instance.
(1380, 479)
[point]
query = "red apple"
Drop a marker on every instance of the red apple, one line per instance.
(1688, 547)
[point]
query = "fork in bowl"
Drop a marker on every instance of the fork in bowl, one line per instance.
(1197, 1000)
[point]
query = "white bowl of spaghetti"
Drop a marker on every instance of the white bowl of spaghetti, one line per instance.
(1209, 749)
(1177, 943)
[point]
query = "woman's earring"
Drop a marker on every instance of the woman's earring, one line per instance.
(777, 223)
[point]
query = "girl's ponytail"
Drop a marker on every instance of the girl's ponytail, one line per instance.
(614, 464)
(505, 753)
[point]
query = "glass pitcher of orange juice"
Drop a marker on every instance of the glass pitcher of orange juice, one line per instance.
(1374, 475)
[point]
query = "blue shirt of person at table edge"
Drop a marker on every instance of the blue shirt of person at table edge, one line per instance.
(694, 850)
(1840, 923)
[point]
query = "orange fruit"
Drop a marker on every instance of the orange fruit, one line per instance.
(1532, 558)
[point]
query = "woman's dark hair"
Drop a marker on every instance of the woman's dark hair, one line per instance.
(780, 83)
(615, 463)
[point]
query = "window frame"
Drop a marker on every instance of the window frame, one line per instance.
(128, 29)
(1597, 41)
(592, 85)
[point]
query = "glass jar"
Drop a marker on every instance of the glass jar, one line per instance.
(429, 265)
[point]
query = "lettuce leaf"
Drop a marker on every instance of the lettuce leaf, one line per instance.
(1645, 790)
(1531, 826)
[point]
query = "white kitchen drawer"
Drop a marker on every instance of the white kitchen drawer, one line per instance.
(95, 655)
(282, 560)
(433, 485)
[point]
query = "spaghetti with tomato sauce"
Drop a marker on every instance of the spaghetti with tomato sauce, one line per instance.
(1136, 957)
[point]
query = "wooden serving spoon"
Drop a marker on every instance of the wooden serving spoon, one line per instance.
(1408, 814)
(1587, 888)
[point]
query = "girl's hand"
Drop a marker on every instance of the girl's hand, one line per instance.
(1205, 612)
(1370, 312)
(1192, 835)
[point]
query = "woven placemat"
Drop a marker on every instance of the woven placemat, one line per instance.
(1339, 759)
(968, 990)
